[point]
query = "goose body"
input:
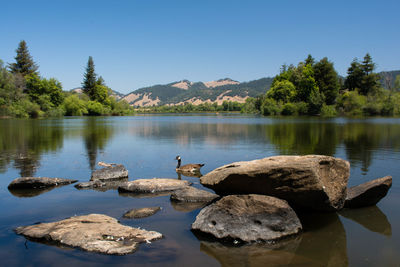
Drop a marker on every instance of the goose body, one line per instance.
(187, 167)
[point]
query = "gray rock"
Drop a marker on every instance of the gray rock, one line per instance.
(38, 182)
(369, 193)
(310, 182)
(154, 185)
(117, 171)
(187, 206)
(100, 185)
(93, 232)
(141, 213)
(191, 194)
(248, 218)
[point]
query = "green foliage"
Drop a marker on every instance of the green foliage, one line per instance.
(25, 109)
(47, 93)
(328, 111)
(270, 107)
(89, 79)
(327, 80)
(351, 103)
(250, 106)
(397, 83)
(95, 108)
(74, 106)
(120, 108)
(283, 91)
(289, 109)
(24, 64)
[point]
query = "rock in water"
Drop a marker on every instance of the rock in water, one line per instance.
(310, 182)
(248, 218)
(117, 171)
(191, 194)
(38, 182)
(154, 185)
(369, 193)
(93, 232)
(141, 213)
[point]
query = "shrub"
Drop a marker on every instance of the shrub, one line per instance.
(74, 106)
(328, 111)
(94, 108)
(270, 107)
(289, 109)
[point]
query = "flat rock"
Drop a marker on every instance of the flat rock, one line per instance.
(141, 213)
(38, 182)
(100, 185)
(93, 232)
(154, 185)
(191, 194)
(116, 171)
(369, 193)
(310, 182)
(248, 218)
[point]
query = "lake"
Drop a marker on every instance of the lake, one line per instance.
(148, 144)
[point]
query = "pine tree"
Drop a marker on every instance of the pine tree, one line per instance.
(89, 79)
(354, 76)
(24, 63)
(370, 81)
(327, 80)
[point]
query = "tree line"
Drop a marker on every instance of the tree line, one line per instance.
(24, 93)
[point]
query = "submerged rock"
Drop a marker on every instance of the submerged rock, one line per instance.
(38, 182)
(141, 213)
(93, 232)
(116, 171)
(310, 182)
(369, 193)
(187, 206)
(99, 185)
(191, 194)
(154, 185)
(248, 218)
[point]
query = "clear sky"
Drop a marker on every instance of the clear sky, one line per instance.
(142, 43)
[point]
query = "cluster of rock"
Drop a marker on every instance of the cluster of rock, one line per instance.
(260, 195)
(259, 203)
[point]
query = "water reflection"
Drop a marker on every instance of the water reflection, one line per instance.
(96, 134)
(24, 141)
(371, 218)
(32, 192)
(188, 174)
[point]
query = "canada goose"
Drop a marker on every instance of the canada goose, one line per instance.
(187, 167)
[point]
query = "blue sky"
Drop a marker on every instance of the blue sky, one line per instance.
(141, 43)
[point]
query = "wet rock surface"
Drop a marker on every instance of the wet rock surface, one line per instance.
(141, 213)
(154, 185)
(93, 232)
(191, 194)
(369, 193)
(38, 182)
(99, 185)
(248, 218)
(310, 182)
(115, 171)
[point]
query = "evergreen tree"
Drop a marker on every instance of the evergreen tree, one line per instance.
(89, 79)
(24, 63)
(309, 60)
(370, 80)
(327, 80)
(354, 76)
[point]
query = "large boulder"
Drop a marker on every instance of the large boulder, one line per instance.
(369, 193)
(38, 182)
(93, 232)
(248, 218)
(154, 185)
(310, 182)
(115, 171)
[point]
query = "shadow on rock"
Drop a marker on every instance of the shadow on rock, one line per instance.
(371, 218)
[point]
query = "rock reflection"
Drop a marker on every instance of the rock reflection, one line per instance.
(323, 240)
(33, 192)
(144, 195)
(257, 254)
(188, 174)
(371, 218)
(183, 206)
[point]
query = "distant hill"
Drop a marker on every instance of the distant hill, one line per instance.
(112, 93)
(388, 78)
(185, 91)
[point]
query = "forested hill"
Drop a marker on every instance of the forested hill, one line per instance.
(198, 92)
(185, 91)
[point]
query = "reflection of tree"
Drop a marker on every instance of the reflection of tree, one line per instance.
(96, 133)
(24, 141)
(304, 138)
(362, 139)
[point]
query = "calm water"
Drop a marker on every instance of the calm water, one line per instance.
(147, 146)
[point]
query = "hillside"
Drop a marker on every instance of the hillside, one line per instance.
(185, 91)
